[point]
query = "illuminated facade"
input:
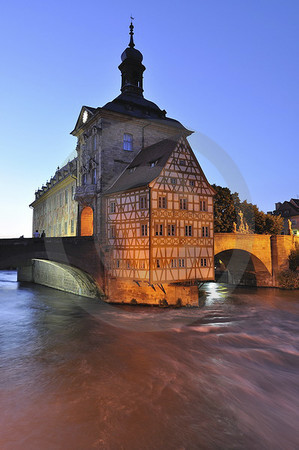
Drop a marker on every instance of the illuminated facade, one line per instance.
(160, 217)
(54, 209)
(138, 188)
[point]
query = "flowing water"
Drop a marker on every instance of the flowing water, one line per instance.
(79, 374)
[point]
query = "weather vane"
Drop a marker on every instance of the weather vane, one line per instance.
(131, 44)
(132, 18)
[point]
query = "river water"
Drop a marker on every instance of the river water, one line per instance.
(80, 374)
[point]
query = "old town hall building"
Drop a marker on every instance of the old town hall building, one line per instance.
(137, 186)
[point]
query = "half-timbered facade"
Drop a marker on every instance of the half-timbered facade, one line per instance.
(140, 191)
(160, 218)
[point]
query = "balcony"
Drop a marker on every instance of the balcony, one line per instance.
(85, 194)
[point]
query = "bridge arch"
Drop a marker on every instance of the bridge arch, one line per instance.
(238, 266)
(59, 276)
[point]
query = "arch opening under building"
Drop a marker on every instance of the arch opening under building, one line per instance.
(86, 224)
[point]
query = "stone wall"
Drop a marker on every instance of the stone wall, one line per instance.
(258, 245)
(124, 291)
(281, 247)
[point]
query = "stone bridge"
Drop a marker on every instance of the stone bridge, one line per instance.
(248, 259)
(73, 264)
(252, 259)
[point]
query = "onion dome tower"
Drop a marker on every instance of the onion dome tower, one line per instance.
(131, 100)
(132, 68)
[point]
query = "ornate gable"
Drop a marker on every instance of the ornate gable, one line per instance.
(182, 172)
(86, 113)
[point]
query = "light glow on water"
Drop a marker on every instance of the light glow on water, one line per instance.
(216, 292)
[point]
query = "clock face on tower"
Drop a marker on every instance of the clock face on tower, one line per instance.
(85, 116)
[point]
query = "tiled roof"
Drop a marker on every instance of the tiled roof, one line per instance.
(140, 107)
(145, 167)
(295, 201)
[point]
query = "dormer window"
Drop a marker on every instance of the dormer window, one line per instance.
(132, 169)
(153, 163)
(128, 142)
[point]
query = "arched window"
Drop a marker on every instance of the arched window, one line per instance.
(87, 221)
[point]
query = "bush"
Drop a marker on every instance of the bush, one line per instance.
(288, 279)
(163, 303)
(294, 259)
(133, 301)
(179, 303)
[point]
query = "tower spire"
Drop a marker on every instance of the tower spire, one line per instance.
(131, 44)
(132, 68)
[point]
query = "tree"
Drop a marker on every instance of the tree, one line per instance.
(224, 209)
(274, 224)
(227, 205)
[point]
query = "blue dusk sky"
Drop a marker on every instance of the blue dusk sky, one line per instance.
(227, 69)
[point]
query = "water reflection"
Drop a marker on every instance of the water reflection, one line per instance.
(78, 374)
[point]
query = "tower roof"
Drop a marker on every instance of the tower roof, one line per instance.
(131, 101)
(132, 69)
(130, 52)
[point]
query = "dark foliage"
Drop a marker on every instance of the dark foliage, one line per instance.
(227, 206)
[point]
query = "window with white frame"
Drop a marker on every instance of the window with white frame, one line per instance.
(171, 230)
(203, 262)
(112, 232)
(144, 229)
(159, 229)
(183, 203)
(202, 205)
(112, 207)
(142, 202)
(188, 230)
(162, 202)
(181, 262)
(205, 231)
